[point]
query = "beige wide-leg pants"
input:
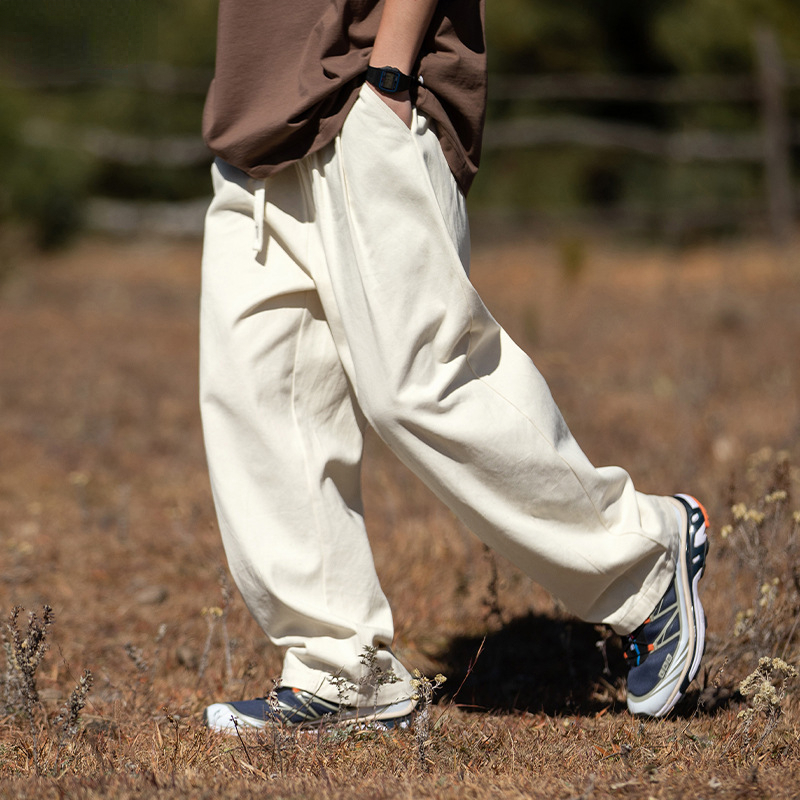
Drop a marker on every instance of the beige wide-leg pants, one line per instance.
(357, 309)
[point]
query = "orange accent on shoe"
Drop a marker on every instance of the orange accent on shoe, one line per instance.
(705, 513)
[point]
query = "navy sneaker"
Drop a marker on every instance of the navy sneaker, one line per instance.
(296, 707)
(664, 652)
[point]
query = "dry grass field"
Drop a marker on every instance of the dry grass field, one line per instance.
(681, 366)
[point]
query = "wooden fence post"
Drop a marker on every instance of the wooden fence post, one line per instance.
(776, 134)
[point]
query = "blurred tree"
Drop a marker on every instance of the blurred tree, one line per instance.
(717, 35)
(579, 36)
(54, 58)
(83, 35)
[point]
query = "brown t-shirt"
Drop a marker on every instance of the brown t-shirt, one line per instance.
(287, 74)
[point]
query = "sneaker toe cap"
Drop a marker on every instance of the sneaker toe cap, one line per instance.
(219, 717)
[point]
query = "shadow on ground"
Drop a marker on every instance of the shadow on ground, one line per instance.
(540, 664)
(535, 663)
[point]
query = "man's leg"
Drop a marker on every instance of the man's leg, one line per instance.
(452, 395)
(284, 444)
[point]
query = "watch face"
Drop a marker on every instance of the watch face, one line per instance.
(388, 81)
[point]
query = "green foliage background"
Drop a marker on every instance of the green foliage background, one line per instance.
(43, 42)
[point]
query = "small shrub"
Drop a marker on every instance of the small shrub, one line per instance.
(765, 689)
(24, 651)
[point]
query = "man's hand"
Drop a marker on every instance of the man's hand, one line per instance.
(400, 34)
(399, 102)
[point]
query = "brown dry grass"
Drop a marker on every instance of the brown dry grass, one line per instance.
(682, 366)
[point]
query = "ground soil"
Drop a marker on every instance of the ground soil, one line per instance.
(680, 365)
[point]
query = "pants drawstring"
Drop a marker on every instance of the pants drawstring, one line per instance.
(259, 209)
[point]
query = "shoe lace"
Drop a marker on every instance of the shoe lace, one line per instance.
(638, 648)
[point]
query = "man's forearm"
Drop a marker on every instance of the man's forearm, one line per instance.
(400, 34)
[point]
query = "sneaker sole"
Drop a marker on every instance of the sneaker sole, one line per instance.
(693, 618)
(220, 717)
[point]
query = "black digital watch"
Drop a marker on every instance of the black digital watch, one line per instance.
(389, 79)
